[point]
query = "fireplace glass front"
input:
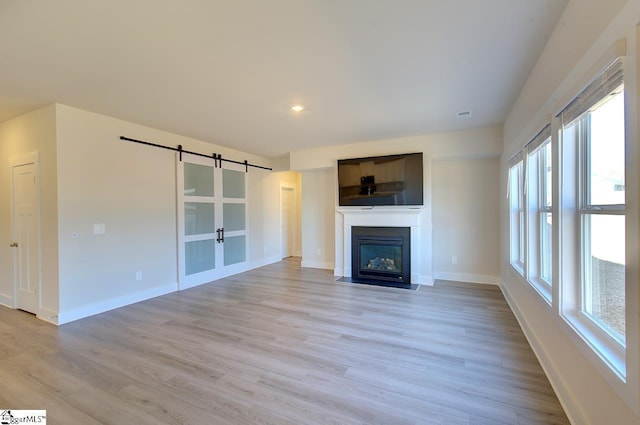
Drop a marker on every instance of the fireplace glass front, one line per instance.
(385, 258)
(381, 253)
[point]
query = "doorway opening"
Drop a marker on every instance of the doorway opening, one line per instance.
(290, 218)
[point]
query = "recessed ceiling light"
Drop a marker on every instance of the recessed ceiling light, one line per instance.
(297, 108)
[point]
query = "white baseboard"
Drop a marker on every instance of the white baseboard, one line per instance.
(264, 262)
(48, 315)
(6, 300)
(188, 285)
(113, 303)
(317, 265)
(468, 277)
(425, 280)
(45, 314)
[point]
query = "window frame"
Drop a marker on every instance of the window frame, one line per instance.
(586, 210)
(517, 256)
(575, 162)
(537, 210)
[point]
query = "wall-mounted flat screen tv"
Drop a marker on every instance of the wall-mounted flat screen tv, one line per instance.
(381, 180)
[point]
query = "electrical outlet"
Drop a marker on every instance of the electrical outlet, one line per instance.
(138, 275)
(454, 260)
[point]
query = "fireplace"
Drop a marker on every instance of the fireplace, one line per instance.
(417, 219)
(381, 254)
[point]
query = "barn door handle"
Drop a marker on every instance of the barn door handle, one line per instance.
(13, 244)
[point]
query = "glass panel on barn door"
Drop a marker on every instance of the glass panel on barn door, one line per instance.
(198, 180)
(235, 249)
(197, 205)
(234, 212)
(199, 256)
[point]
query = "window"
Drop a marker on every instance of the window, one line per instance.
(602, 210)
(539, 214)
(593, 141)
(516, 206)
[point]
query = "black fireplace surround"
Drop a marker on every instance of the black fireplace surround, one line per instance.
(381, 254)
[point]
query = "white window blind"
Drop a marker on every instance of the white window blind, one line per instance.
(517, 157)
(610, 80)
(539, 138)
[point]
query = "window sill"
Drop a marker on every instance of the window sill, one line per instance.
(518, 267)
(541, 287)
(610, 351)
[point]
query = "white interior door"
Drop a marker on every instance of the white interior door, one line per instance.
(26, 234)
(212, 231)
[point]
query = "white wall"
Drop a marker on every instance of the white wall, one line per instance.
(131, 189)
(35, 131)
(318, 221)
(590, 393)
(476, 143)
(466, 220)
(263, 215)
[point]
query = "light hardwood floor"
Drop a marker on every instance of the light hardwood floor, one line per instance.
(282, 345)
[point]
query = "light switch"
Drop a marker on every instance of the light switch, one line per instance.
(99, 229)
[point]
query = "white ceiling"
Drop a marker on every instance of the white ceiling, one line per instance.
(228, 71)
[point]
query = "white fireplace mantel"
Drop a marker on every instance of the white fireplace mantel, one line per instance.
(417, 218)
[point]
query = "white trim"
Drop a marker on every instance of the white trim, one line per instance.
(24, 159)
(468, 277)
(193, 283)
(48, 315)
(318, 265)
(609, 352)
(263, 262)
(427, 279)
(113, 303)
(7, 300)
